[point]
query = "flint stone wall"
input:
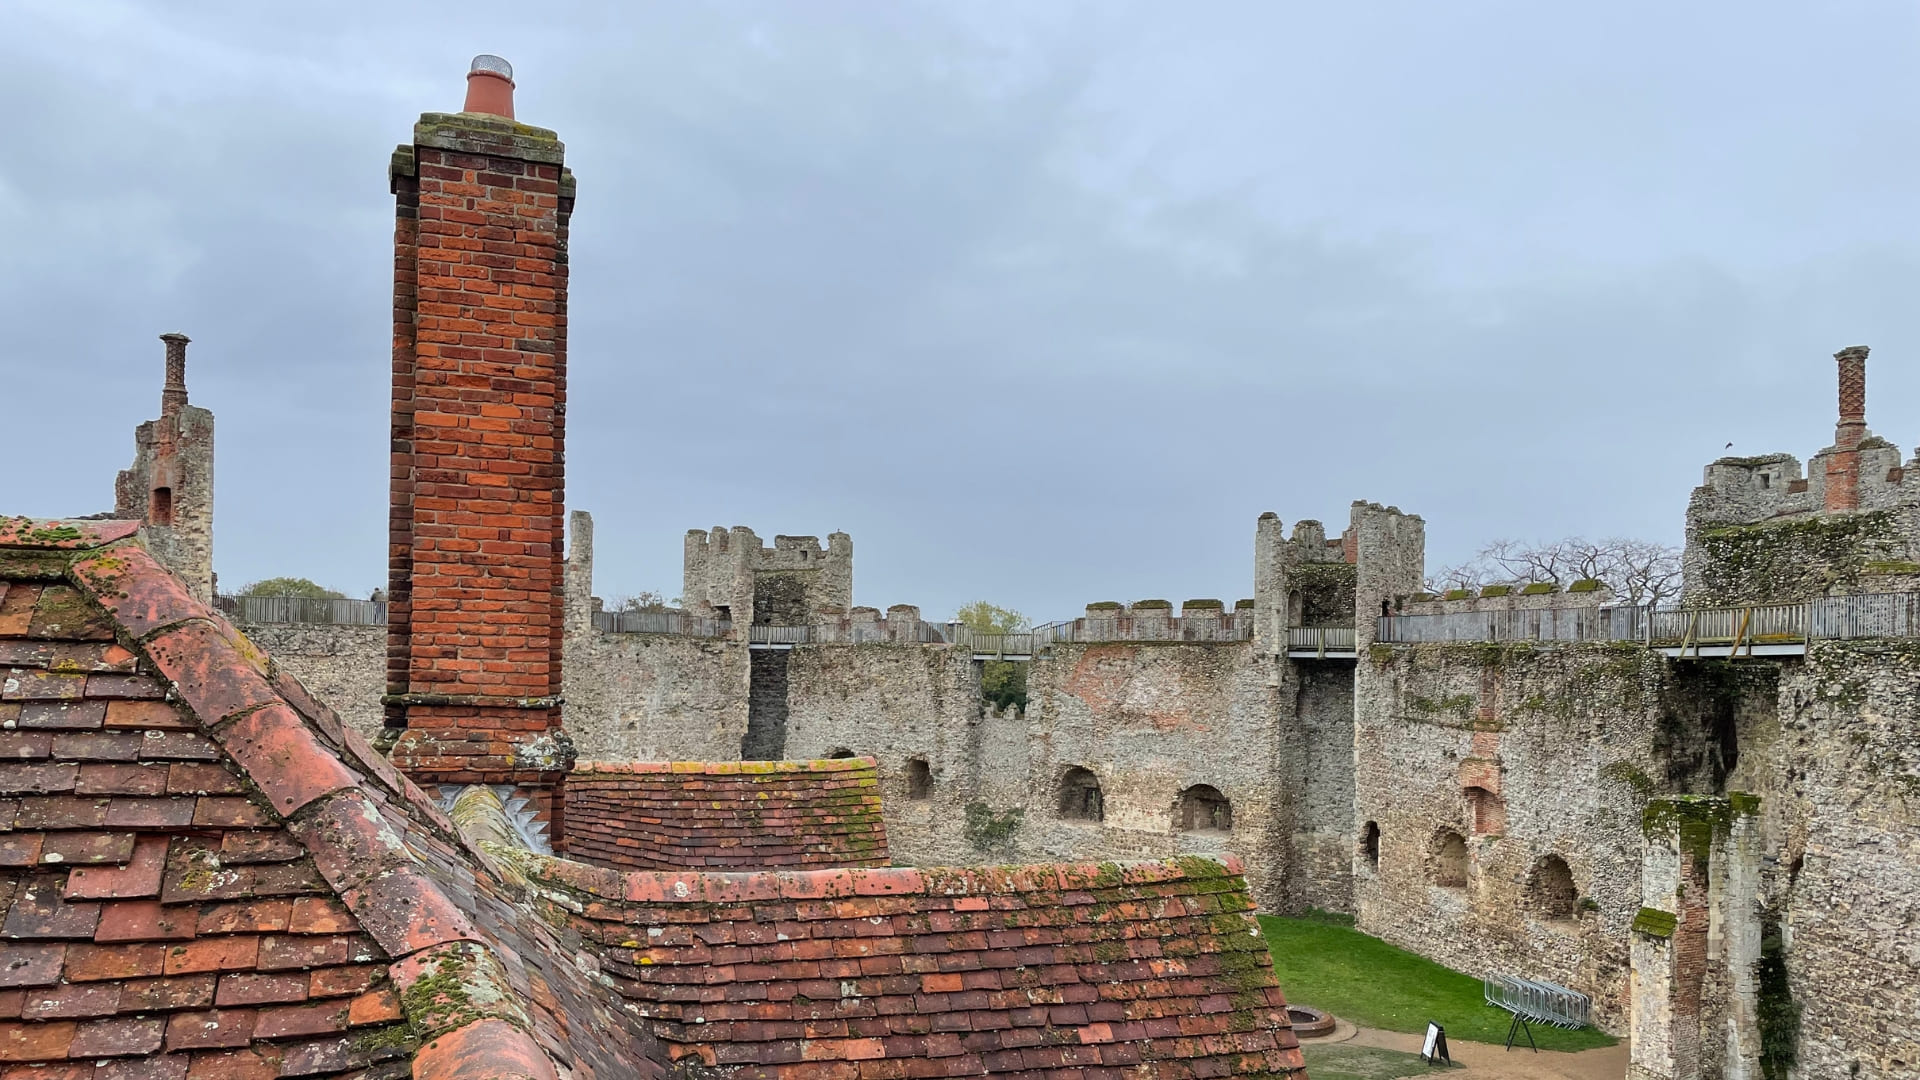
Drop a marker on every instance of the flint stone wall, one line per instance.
(344, 666)
(1838, 771)
(1564, 741)
(655, 697)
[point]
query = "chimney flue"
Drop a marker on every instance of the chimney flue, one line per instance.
(490, 87)
(1853, 397)
(173, 394)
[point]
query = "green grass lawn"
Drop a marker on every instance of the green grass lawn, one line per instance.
(1374, 984)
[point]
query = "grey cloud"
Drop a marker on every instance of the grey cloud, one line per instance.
(1041, 305)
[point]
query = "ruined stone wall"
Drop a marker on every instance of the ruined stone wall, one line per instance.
(1801, 558)
(1320, 872)
(1151, 720)
(655, 697)
(1523, 754)
(731, 569)
(344, 666)
(1838, 771)
(899, 703)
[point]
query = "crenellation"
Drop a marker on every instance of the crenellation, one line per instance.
(1721, 853)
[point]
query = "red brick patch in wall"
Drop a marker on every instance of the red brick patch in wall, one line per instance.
(726, 815)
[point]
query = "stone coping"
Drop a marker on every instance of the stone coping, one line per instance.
(724, 768)
(971, 887)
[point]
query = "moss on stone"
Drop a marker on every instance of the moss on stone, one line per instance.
(1792, 560)
(1202, 605)
(1496, 590)
(1891, 566)
(1626, 772)
(1585, 585)
(1538, 588)
(1655, 923)
(987, 829)
(1458, 594)
(1142, 604)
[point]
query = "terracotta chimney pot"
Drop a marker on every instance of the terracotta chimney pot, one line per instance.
(490, 87)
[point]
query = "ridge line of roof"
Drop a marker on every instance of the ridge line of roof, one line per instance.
(711, 886)
(227, 684)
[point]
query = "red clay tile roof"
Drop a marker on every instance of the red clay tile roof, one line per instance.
(726, 815)
(1154, 969)
(203, 872)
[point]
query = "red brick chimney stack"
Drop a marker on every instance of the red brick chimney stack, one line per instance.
(173, 395)
(1843, 465)
(1853, 397)
(479, 435)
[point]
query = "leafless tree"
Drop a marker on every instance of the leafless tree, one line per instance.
(644, 600)
(1635, 571)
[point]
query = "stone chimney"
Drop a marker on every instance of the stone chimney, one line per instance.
(1843, 464)
(476, 582)
(169, 486)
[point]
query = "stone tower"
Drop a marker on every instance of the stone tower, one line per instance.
(169, 486)
(476, 582)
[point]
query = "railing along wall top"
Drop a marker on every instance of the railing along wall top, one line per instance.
(1321, 638)
(1135, 627)
(1833, 618)
(660, 622)
(303, 609)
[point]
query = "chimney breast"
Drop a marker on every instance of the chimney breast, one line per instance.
(490, 87)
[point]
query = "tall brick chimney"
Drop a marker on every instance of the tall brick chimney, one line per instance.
(1843, 465)
(475, 579)
(173, 393)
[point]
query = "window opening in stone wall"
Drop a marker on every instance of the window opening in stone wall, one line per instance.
(919, 779)
(1203, 809)
(1487, 812)
(1551, 892)
(1370, 844)
(1766, 480)
(160, 506)
(1450, 860)
(1080, 798)
(840, 753)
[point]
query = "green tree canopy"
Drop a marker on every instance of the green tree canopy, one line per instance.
(291, 586)
(985, 618)
(1002, 682)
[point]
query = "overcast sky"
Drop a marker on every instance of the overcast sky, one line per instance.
(1042, 303)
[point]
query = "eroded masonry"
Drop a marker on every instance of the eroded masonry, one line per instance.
(1704, 817)
(205, 871)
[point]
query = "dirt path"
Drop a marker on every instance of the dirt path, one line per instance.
(1495, 1062)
